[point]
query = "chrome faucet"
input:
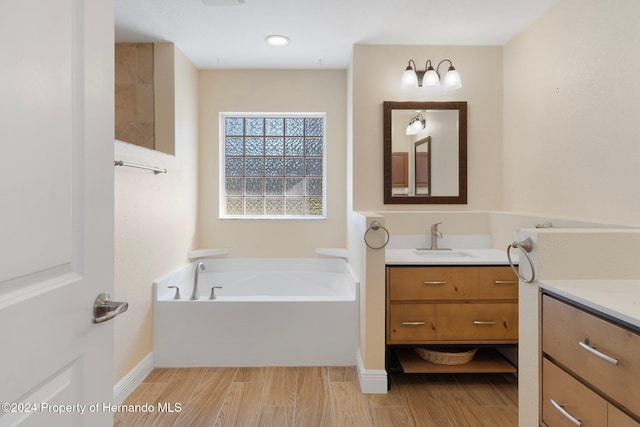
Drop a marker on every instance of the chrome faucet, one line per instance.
(195, 294)
(434, 236)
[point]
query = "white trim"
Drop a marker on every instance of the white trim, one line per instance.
(335, 252)
(207, 253)
(133, 379)
(372, 381)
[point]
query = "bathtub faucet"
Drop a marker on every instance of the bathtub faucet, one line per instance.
(195, 294)
(213, 292)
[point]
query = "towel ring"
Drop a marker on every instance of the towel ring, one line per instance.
(375, 225)
(525, 247)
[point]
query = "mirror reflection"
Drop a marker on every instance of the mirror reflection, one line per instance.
(425, 152)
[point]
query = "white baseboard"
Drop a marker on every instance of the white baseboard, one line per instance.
(126, 385)
(372, 381)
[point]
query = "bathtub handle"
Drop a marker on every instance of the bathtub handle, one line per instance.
(177, 295)
(213, 291)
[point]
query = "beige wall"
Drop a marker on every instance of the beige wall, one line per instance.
(374, 77)
(571, 91)
(376, 72)
(272, 91)
(155, 217)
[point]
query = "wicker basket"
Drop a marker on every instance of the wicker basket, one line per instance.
(446, 357)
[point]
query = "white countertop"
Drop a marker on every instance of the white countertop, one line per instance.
(475, 257)
(619, 299)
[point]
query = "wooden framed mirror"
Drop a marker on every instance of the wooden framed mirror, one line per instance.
(425, 152)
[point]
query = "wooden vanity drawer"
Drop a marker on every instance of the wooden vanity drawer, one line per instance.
(617, 418)
(411, 323)
(433, 283)
(573, 397)
(497, 283)
(564, 327)
(495, 322)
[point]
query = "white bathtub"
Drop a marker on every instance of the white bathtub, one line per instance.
(270, 312)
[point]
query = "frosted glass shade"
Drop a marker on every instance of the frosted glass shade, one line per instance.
(409, 130)
(409, 79)
(431, 79)
(452, 80)
(415, 126)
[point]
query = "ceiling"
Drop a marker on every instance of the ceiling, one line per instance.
(322, 32)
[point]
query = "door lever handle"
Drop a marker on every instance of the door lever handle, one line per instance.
(104, 309)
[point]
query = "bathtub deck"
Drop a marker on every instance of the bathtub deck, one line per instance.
(319, 396)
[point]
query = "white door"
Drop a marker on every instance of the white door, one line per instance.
(56, 211)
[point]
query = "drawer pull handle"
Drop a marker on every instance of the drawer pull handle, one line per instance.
(481, 322)
(601, 355)
(435, 282)
(565, 413)
(412, 323)
(506, 282)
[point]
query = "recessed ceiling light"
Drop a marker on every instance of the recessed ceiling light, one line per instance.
(222, 2)
(277, 40)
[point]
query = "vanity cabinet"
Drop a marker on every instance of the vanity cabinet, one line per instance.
(590, 370)
(468, 306)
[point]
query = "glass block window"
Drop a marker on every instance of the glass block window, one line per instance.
(272, 165)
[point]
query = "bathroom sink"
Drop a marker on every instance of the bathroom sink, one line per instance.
(462, 255)
(443, 253)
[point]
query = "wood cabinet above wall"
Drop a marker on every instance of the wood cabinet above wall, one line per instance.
(144, 95)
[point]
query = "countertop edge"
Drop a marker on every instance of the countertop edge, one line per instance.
(487, 257)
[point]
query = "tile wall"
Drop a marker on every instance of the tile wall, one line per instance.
(134, 94)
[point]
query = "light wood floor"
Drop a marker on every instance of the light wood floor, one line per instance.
(319, 396)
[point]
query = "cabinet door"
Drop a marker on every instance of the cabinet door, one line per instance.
(433, 283)
(564, 397)
(493, 322)
(399, 169)
(423, 170)
(411, 323)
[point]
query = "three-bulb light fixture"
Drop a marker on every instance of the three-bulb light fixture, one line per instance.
(416, 124)
(429, 77)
